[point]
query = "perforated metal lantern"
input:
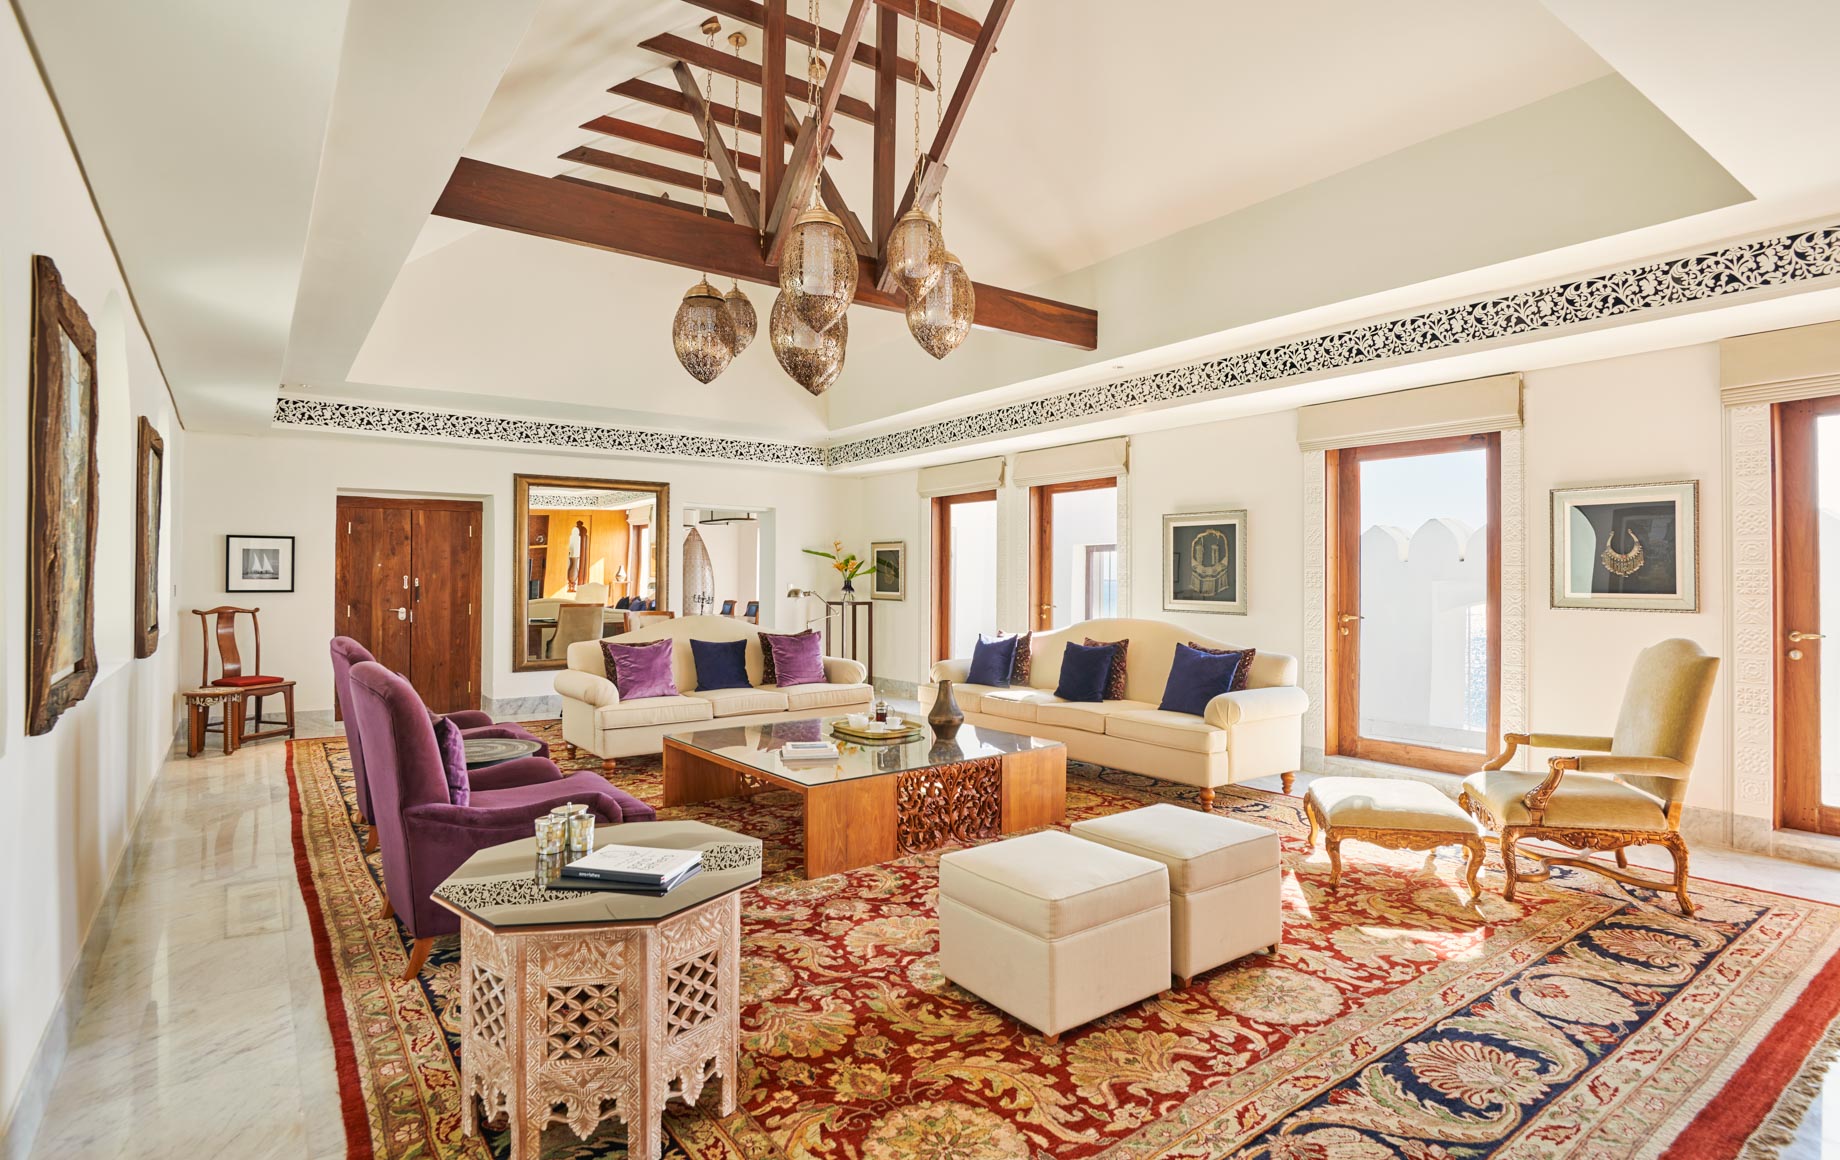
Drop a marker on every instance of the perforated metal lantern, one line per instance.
(916, 252)
(940, 318)
(817, 269)
(703, 333)
(741, 313)
(814, 358)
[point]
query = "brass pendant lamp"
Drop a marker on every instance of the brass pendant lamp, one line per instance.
(817, 267)
(939, 316)
(740, 308)
(703, 332)
(813, 358)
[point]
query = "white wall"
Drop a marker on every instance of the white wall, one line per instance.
(1646, 417)
(69, 798)
(304, 474)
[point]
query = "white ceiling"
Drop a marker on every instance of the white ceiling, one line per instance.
(267, 174)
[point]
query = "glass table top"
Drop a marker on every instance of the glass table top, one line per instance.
(762, 747)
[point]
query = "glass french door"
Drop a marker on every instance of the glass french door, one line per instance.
(1075, 527)
(1808, 604)
(964, 571)
(1415, 602)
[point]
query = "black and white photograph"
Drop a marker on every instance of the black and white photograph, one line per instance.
(889, 580)
(1629, 546)
(258, 563)
(1204, 561)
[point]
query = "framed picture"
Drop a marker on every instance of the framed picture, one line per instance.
(258, 563)
(1626, 546)
(150, 474)
(889, 580)
(1204, 562)
(61, 555)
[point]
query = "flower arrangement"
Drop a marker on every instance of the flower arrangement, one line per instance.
(847, 564)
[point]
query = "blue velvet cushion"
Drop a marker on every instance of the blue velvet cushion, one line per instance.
(992, 661)
(720, 664)
(452, 747)
(1197, 677)
(1084, 671)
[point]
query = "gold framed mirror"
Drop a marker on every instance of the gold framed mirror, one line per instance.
(584, 550)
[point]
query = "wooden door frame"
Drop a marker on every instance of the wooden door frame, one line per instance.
(344, 503)
(1041, 543)
(942, 565)
(1341, 710)
(1795, 548)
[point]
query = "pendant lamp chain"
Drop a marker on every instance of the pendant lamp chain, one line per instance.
(703, 331)
(818, 263)
(916, 248)
(740, 309)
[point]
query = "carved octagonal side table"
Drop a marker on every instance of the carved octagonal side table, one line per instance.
(582, 1007)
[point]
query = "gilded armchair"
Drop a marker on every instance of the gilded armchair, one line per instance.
(1612, 792)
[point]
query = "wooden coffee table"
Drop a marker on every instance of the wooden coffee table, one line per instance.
(876, 802)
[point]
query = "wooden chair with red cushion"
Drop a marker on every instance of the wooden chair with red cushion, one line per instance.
(220, 624)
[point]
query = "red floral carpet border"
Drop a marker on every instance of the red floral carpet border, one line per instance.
(1395, 1023)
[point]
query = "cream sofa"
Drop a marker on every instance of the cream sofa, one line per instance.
(594, 717)
(1255, 732)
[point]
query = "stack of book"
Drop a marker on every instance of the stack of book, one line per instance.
(808, 751)
(631, 869)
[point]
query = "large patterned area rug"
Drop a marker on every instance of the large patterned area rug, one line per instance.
(1396, 1021)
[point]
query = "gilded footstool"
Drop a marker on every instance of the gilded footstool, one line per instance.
(1053, 930)
(1224, 880)
(1391, 812)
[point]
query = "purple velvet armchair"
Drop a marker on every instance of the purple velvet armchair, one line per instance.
(424, 835)
(347, 652)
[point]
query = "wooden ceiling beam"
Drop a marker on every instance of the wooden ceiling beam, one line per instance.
(654, 198)
(634, 167)
(743, 204)
(576, 212)
(661, 139)
(802, 174)
(881, 204)
(752, 12)
(772, 96)
(749, 73)
(668, 98)
(833, 201)
(950, 22)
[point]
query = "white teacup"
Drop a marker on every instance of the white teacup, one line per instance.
(858, 720)
(894, 722)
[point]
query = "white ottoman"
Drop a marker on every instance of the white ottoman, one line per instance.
(1224, 880)
(1390, 812)
(1053, 930)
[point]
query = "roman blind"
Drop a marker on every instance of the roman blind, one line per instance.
(1465, 408)
(1780, 366)
(959, 478)
(1095, 460)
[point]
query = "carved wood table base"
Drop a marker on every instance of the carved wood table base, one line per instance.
(589, 1023)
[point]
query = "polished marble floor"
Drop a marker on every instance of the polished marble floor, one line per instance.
(204, 1033)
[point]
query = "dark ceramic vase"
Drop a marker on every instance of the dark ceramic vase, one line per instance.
(945, 716)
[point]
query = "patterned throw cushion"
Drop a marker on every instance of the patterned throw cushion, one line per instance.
(1084, 671)
(607, 647)
(1245, 663)
(1025, 663)
(1114, 687)
(452, 747)
(768, 675)
(643, 670)
(1197, 676)
(797, 659)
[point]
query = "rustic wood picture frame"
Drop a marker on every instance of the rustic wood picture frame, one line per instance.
(149, 507)
(61, 485)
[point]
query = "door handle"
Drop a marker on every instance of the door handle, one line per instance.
(401, 613)
(1347, 618)
(1801, 636)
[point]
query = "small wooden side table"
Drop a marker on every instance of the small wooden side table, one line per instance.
(584, 1006)
(198, 704)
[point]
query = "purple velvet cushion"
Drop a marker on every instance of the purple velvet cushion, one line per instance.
(452, 746)
(766, 652)
(607, 647)
(642, 670)
(797, 660)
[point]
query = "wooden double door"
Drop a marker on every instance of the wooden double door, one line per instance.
(408, 589)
